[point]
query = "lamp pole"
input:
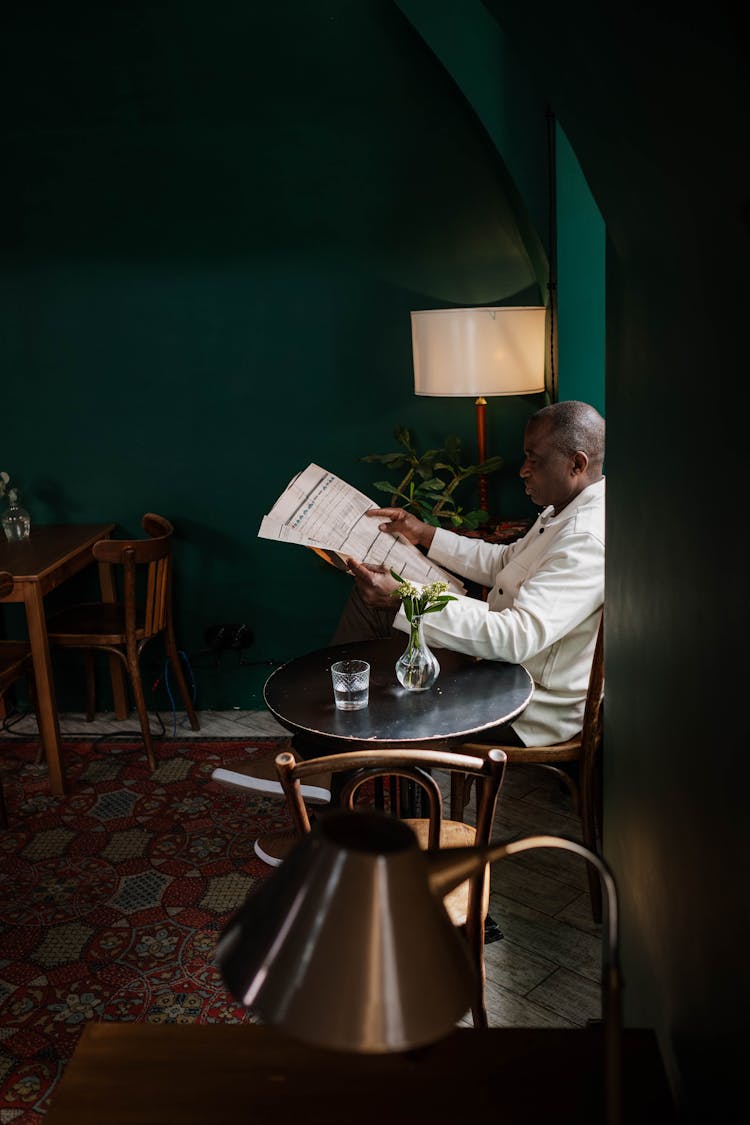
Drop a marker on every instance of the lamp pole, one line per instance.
(482, 482)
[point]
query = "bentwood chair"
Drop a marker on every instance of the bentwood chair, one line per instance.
(143, 568)
(15, 664)
(580, 755)
(468, 904)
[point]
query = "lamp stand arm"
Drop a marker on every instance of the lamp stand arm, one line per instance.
(611, 976)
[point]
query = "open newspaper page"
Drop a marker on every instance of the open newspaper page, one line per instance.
(319, 510)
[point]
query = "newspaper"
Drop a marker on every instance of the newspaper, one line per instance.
(317, 509)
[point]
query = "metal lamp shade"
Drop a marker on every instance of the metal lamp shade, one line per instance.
(346, 945)
(479, 352)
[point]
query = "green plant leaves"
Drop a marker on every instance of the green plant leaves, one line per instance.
(430, 480)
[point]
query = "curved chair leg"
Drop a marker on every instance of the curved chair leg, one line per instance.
(88, 659)
(478, 1008)
(460, 794)
(136, 684)
(179, 675)
(587, 799)
(476, 951)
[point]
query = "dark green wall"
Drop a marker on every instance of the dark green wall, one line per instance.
(581, 282)
(546, 176)
(218, 219)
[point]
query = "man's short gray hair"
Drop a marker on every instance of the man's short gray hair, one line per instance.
(574, 426)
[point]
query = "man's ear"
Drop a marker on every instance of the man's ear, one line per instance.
(580, 461)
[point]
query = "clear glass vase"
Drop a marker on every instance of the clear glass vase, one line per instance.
(16, 521)
(417, 668)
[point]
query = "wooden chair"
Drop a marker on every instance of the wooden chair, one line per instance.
(468, 904)
(584, 750)
(15, 664)
(125, 627)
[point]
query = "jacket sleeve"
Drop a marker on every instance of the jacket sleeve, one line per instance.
(471, 558)
(561, 593)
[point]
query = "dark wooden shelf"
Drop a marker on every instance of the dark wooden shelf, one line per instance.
(128, 1074)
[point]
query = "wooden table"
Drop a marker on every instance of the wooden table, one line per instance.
(39, 564)
(469, 698)
(192, 1074)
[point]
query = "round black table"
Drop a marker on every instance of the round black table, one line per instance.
(469, 697)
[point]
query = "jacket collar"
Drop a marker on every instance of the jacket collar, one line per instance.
(592, 493)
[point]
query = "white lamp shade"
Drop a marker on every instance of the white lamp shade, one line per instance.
(479, 352)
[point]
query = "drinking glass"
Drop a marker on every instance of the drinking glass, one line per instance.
(351, 684)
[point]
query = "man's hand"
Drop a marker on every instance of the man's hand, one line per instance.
(375, 584)
(399, 522)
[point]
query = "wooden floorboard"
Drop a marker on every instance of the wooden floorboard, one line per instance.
(545, 972)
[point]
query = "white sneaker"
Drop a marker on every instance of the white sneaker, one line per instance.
(260, 776)
(274, 847)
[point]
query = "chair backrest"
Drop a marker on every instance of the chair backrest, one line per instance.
(154, 553)
(488, 771)
(412, 765)
(15, 660)
(593, 711)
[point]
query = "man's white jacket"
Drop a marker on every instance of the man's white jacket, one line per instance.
(546, 593)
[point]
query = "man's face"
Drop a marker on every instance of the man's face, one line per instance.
(548, 474)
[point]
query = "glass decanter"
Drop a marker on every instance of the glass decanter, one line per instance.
(16, 520)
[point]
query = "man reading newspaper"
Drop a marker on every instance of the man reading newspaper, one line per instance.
(546, 590)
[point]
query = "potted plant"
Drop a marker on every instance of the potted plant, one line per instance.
(429, 483)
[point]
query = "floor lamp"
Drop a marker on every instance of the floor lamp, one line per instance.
(479, 353)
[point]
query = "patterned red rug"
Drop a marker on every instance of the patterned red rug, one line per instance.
(112, 897)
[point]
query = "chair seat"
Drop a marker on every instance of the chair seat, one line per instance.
(453, 834)
(92, 622)
(569, 751)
